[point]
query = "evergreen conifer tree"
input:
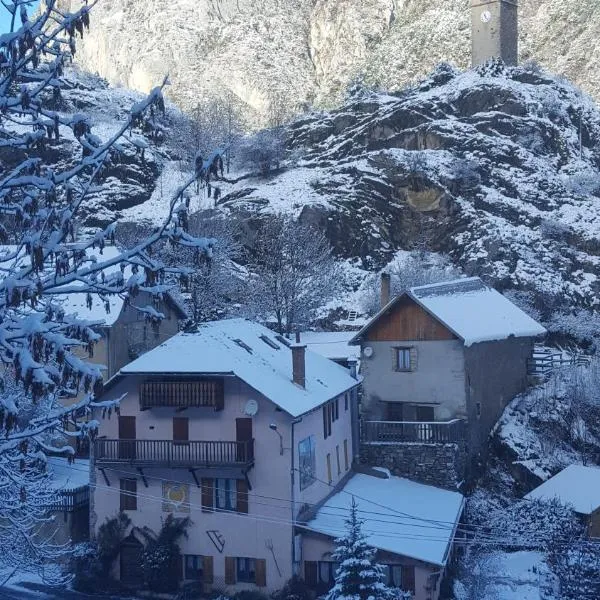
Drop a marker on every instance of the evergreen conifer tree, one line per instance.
(358, 576)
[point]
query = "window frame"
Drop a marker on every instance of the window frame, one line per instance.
(198, 569)
(331, 566)
(230, 494)
(239, 573)
(392, 570)
(406, 352)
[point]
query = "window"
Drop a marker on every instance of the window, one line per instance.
(245, 570)
(193, 567)
(326, 420)
(394, 576)
(401, 577)
(478, 409)
(128, 498)
(327, 570)
(225, 494)
(403, 359)
(336, 409)
(346, 400)
(329, 477)
(337, 455)
(394, 411)
(346, 464)
(307, 461)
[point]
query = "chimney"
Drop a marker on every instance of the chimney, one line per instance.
(386, 289)
(353, 367)
(299, 362)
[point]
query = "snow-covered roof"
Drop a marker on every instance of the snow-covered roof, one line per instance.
(331, 344)
(254, 354)
(76, 303)
(470, 309)
(400, 516)
(69, 476)
(576, 485)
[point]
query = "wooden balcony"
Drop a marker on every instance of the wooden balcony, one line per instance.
(167, 453)
(402, 432)
(182, 394)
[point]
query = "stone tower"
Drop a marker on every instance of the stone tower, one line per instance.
(494, 31)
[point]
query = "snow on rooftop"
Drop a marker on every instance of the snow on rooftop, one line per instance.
(67, 476)
(576, 485)
(254, 354)
(400, 516)
(474, 311)
(331, 344)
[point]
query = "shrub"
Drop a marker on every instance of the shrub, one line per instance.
(250, 595)
(294, 589)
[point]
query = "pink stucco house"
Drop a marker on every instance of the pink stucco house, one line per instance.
(236, 428)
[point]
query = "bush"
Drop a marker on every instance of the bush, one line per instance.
(294, 589)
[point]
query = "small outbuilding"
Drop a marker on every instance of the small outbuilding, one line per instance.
(577, 486)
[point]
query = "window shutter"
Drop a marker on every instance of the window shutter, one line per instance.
(229, 570)
(242, 495)
(261, 572)
(310, 572)
(325, 421)
(395, 364)
(408, 578)
(414, 359)
(207, 485)
(207, 569)
(181, 429)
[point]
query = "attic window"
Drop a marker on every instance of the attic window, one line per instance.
(283, 340)
(243, 345)
(267, 340)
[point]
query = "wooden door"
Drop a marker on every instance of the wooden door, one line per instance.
(243, 433)
(130, 563)
(425, 414)
(127, 435)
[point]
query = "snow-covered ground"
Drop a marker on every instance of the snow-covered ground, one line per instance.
(508, 576)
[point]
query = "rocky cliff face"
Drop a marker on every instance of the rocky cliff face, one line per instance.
(269, 53)
(495, 167)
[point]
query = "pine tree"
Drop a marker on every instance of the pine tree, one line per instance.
(358, 576)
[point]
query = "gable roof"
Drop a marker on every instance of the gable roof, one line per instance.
(469, 308)
(576, 485)
(76, 303)
(333, 345)
(400, 516)
(254, 354)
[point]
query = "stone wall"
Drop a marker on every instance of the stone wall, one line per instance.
(441, 465)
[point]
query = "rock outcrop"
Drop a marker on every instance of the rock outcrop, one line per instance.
(279, 55)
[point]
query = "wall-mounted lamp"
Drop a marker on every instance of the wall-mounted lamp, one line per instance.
(273, 426)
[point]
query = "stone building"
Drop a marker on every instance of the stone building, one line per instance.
(440, 363)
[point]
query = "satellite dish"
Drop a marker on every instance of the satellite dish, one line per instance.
(251, 408)
(368, 352)
(486, 16)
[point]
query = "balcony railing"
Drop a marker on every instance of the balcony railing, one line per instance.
(71, 500)
(399, 432)
(182, 394)
(167, 453)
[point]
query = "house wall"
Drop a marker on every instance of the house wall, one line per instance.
(341, 429)
(266, 531)
(496, 372)
(437, 380)
(316, 547)
(131, 335)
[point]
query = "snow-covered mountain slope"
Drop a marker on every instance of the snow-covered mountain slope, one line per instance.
(497, 168)
(273, 52)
